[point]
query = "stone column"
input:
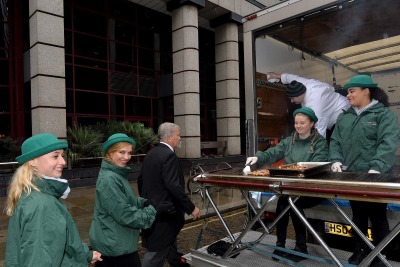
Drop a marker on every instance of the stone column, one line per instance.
(47, 67)
(186, 82)
(227, 80)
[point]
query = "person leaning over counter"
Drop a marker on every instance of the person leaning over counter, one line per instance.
(317, 95)
(118, 214)
(304, 145)
(365, 140)
(41, 231)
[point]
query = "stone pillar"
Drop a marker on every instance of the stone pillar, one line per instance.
(227, 80)
(47, 67)
(185, 50)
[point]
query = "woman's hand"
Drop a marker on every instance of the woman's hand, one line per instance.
(251, 160)
(336, 167)
(96, 257)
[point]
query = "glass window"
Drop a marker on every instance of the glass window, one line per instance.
(90, 23)
(122, 31)
(148, 86)
(5, 124)
(5, 72)
(67, 16)
(68, 59)
(146, 39)
(4, 39)
(91, 4)
(123, 68)
(68, 42)
(116, 105)
(154, 106)
(122, 10)
(68, 76)
(138, 106)
(70, 101)
(91, 79)
(90, 121)
(149, 59)
(5, 99)
(89, 46)
(124, 54)
(91, 63)
(85, 100)
(123, 83)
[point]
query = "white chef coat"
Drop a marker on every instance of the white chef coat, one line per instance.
(322, 98)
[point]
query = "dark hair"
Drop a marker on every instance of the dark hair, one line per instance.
(380, 95)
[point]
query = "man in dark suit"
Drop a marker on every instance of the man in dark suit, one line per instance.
(161, 180)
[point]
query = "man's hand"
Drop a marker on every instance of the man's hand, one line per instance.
(251, 160)
(336, 167)
(196, 213)
(273, 77)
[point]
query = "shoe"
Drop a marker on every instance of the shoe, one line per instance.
(376, 262)
(279, 253)
(357, 257)
(296, 258)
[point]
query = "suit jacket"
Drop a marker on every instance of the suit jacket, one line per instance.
(161, 178)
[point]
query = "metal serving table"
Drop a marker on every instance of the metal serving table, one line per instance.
(383, 188)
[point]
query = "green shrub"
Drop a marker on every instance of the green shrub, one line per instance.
(9, 149)
(84, 142)
(144, 137)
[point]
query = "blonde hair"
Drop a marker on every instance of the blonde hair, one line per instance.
(21, 182)
(114, 148)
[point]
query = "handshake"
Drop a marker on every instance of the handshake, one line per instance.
(249, 161)
(163, 207)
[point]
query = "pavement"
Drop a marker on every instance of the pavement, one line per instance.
(80, 203)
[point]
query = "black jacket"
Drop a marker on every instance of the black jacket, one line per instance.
(161, 179)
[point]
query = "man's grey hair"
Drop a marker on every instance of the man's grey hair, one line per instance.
(166, 129)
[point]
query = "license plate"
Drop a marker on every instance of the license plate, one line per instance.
(342, 230)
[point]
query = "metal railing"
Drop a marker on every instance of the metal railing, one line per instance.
(12, 163)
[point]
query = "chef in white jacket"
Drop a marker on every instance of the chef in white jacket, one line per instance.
(319, 96)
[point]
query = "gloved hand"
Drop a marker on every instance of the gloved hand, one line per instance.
(165, 207)
(373, 171)
(336, 167)
(251, 160)
(246, 170)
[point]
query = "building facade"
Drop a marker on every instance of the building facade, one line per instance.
(67, 62)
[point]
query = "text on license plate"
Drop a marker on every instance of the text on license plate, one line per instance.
(342, 229)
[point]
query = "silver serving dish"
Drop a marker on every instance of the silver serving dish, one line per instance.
(300, 169)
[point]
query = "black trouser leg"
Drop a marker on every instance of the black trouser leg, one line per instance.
(282, 224)
(299, 227)
(360, 219)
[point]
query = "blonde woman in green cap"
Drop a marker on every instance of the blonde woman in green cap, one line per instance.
(118, 214)
(304, 145)
(41, 232)
(365, 140)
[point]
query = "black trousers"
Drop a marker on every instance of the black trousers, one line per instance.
(376, 213)
(299, 227)
(128, 260)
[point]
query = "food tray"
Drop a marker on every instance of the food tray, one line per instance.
(310, 168)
